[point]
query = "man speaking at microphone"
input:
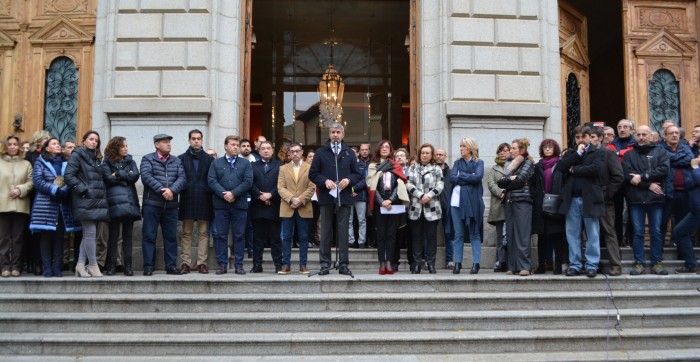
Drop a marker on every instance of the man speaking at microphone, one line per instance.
(334, 171)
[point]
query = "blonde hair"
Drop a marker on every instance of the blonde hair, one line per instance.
(473, 147)
(36, 137)
(523, 144)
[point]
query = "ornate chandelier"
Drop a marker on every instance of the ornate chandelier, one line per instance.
(330, 94)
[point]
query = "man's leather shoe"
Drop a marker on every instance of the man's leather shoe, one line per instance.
(615, 271)
(240, 270)
(345, 270)
(256, 269)
(591, 273)
(203, 269)
(277, 268)
(324, 272)
(221, 270)
(148, 272)
(572, 272)
(304, 270)
(184, 269)
(431, 269)
(172, 271)
(285, 270)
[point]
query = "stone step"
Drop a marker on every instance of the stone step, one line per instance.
(256, 302)
(270, 322)
(267, 283)
(320, 343)
(641, 355)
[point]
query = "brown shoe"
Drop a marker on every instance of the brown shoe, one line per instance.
(615, 271)
(202, 269)
(15, 273)
(184, 269)
(303, 269)
(285, 270)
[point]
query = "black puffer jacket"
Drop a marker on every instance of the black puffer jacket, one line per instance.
(120, 177)
(88, 190)
(518, 190)
(651, 162)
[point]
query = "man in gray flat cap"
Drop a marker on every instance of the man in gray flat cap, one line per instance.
(163, 178)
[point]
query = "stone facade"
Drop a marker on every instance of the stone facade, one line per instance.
(487, 69)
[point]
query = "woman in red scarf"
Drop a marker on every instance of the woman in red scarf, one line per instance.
(386, 181)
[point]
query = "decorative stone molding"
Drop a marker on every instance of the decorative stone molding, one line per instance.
(5, 7)
(6, 42)
(652, 18)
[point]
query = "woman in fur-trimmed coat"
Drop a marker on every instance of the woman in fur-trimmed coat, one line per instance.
(425, 184)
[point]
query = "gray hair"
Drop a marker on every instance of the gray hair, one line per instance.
(337, 126)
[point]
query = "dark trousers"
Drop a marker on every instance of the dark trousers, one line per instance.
(340, 225)
(267, 231)
(249, 234)
(167, 219)
(675, 208)
(51, 245)
(518, 227)
(11, 228)
(403, 240)
(236, 220)
(127, 232)
(682, 232)
(501, 250)
(424, 235)
(609, 236)
(387, 225)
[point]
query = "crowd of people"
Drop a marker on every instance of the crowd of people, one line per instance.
(603, 189)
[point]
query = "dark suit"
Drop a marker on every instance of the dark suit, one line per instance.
(237, 179)
(266, 220)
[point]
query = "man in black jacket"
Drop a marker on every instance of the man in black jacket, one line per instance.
(583, 200)
(334, 171)
(265, 208)
(441, 161)
(612, 179)
(163, 179)
(195, 203)
(645, 169)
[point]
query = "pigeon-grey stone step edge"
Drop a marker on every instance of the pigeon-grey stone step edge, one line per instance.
(688, 354)
(223, 303)
(347, 321)
(270, 283)
(346, 343)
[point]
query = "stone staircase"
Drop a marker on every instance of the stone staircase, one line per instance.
(401, 317)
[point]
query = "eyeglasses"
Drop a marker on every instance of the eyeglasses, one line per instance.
(503, 151)
(548, 147)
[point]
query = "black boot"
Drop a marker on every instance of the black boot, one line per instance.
(110, 269)
(540, 268)
(431, 269)
(457, 269)
(415, 268)
(128, 271)
(475, 269)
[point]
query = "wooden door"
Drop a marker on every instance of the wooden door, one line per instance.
(573, 54)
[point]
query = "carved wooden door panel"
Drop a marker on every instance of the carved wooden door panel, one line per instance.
(573, 53)
(661, 61)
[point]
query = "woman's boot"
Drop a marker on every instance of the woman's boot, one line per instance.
(94, 270)
(457, 269)
(80, 271)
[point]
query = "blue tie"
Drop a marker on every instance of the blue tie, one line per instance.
(232, 162)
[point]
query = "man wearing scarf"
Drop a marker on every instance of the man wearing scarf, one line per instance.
(195, 204)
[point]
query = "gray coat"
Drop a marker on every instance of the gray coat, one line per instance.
(496, 210)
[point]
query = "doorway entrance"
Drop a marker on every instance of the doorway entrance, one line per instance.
(295, 41)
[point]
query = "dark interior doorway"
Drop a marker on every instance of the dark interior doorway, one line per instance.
(293, 41)
(605, 51)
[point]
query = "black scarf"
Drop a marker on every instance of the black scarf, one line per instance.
(195, 154)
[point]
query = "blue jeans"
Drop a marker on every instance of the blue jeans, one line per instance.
(573, 236)
(167, 219)
(236, 219)
(302, 226)
(653, 213)
(462, 228)
(682, 232)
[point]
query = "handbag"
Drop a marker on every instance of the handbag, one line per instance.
(551, 204)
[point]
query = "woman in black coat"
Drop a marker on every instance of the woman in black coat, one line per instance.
(548, 227)
(89, 196)
(518, 205)
(120, 174)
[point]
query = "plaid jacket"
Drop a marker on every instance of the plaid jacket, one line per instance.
(425, 180)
